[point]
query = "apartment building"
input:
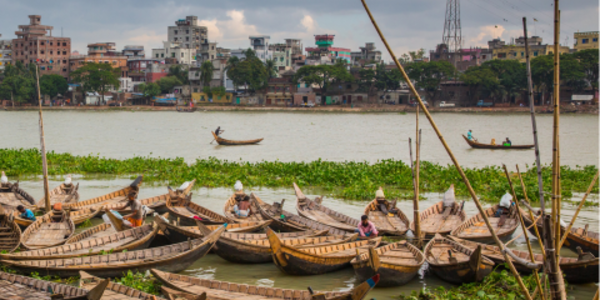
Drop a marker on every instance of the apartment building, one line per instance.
(176, 53)
(366, 55)
(260, 45)
(585, 40)
(326, 51)
(104, 52)
(5, 53)
(134, 52)
(190, 35)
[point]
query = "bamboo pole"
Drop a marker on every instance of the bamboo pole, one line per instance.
(452, 157)
(531, 216)
(589, 190)
(555, 129)
(597, 294)
(43, 145)
(417, 172)
(512, 190)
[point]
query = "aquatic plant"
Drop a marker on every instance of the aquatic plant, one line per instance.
(348, 179)
(139, 281)
(85, 224)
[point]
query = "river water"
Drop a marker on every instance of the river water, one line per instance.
(301, 136)
(214, 267)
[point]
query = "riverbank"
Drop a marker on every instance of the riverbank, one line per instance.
(565, 109)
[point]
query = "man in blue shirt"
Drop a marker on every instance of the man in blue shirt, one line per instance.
(470, 135)
(26, 213)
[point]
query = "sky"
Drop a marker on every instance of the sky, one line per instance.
(408, 25)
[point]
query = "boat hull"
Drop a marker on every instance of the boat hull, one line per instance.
(389, 276)
(461, 273)
(477, 145)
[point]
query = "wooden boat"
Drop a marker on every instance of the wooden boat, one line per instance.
(186, 210)
(49, 230)
(173, 258)
(78, 216)
(159, 203)
(475, 229)
(255, 216)
(396, 263)
(576, 270)
(442, 217)
(478, 145)
(119, 196)
(313, 210)
(16, 287)
(224, 142)
(10, 233)
(179, 295)
(215, 289)
(185, 110)
(113, 291)
(193, 232)
(132, 239)
(455, 263)
(316, 260)
(395, 224)
(97, 231)
(12, 196)
(61, 194)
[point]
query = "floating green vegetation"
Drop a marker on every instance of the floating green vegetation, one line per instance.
(139, 281)
(498, 285)
(70, 280)
(85, 224)
(350, 180)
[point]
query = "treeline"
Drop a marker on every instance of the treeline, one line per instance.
(19, 84)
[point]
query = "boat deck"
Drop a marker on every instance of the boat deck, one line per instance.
(49, 234)
(322, 217)
(439, 252)
(479, 229)
(399, 256)
(387, 223)
(439, 223)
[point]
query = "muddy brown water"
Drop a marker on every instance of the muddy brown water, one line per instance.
(213, 267)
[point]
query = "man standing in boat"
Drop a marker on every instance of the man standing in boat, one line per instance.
(366, 228)
(218, 131)
(136, 217)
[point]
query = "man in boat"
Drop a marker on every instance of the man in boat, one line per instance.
(366, 228)
(242, 209)
(507, 142)
(382, 204)
(136, 217)
(470, 135)
(219, 131)
(504, 206)
(26, 213)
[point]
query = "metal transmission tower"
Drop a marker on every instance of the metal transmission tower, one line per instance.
(452, 31)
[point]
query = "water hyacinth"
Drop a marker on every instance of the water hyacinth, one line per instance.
(348, 179)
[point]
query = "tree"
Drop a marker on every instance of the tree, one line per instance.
(19, 83)
(149, 90)
(232, 72)
(324, 75)
(271, 68)
(480, 80)
(181, 72)
(429, 75)
(53, 84)
(96, 77)
(415, 55)
(511, 75)
(542, 72)
(167, 84)
(589, 66)
(206, 72)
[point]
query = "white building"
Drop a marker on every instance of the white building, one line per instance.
(183, 56)
(190, 35)
(5, 53)
(126, 84)
(260, 45)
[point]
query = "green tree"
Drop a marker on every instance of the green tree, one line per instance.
(324, 75)
(167, 84)
(181, 72)
(588, 59)
(233, 72)
(429, 75)
(511, 76)
(206, 72)
(53, 84)
(149, 90)
(271, 68)
(96, 77)
(19, 83)
(480, 80)
(542, 72)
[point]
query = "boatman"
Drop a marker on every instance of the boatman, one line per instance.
(218, 131)
(242, 209)
(26, 213)
(136, 217)
(507, 143)
(366, 228)
(470, 135)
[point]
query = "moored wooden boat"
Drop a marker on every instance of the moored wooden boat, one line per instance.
(113, 291)
(14, 286)
(119, 196)
(186, 210)
(575, 270)
(78, 216)
(315, 260)
(10, 233)
(225, 142)
(314, 210)
(131, 239)
(396, 263)
(173, 258)
(475, 229)
(97, 231)
(455, 263)
(215, 289)
(255, 215)
(49, 230)
(159, 203)
(393, 223)
(478, 145)
(179, 295)
(442, 217)
(12, 196)
(63, 193)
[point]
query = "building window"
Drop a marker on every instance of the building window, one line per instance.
(176, 31)
(64, 61)
(65, 44)
(42, 44)
(173, 54)
(64, 52)
(501, 55)
(162, 55)
(585, 41)
(187, 32)
(594, 39)
(156, 55)
(181, 54)
(51, 52)
(41, 51)
(50, 43)
(187, 38)
(522, 54)
(535, 53)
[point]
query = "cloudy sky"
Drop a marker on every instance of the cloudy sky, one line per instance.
(407, 24)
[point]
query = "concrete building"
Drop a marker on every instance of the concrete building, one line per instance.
(174, 51)
(138, 68)
(325, 50)
(5, 53)
(585, 40)
(190, 35)
(517, 50)
(35, 44)
(260, 45)
(367, 54)
(100, 53)
(465, 58)
(154, 72)
(134, 52)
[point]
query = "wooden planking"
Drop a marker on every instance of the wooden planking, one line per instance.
(312, 210)
(43, 233)
(61, 194)
(113, 291)
(21, 287)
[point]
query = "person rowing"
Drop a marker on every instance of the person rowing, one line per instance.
(507, 143)
(218, 131)
(470, 136)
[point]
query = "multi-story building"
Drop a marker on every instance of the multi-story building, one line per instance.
(190, 35)
(281, 54)
(5, 53)
(464, 58)
(134, 52)
(585, 40)
(326, 50)
(35, 44)
(260, 45)
(175, 52)
(366, 55)
(138, 68)
(517, 50)
(100, 53)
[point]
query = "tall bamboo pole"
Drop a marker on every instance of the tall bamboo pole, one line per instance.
(43, 145)
(556, 128)
(417, 171)
(531, 216)
(512, 190)
(589, 190)
(452, 157)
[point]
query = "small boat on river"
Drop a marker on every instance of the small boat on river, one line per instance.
(225, 142)
(396, 263)
(442, 217)
(119, 196)
(390, 222)
(216, 289)
(186, 110)
(65, 193)
(456, 263)
(17, 287)
(49, 230)
(478, 145)
(187, 212)
(318, 259)
(314, 210)
(113, 291)
(78, 216)
(475, 228)
(172, 258)
(10, 232)
(12, 196)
